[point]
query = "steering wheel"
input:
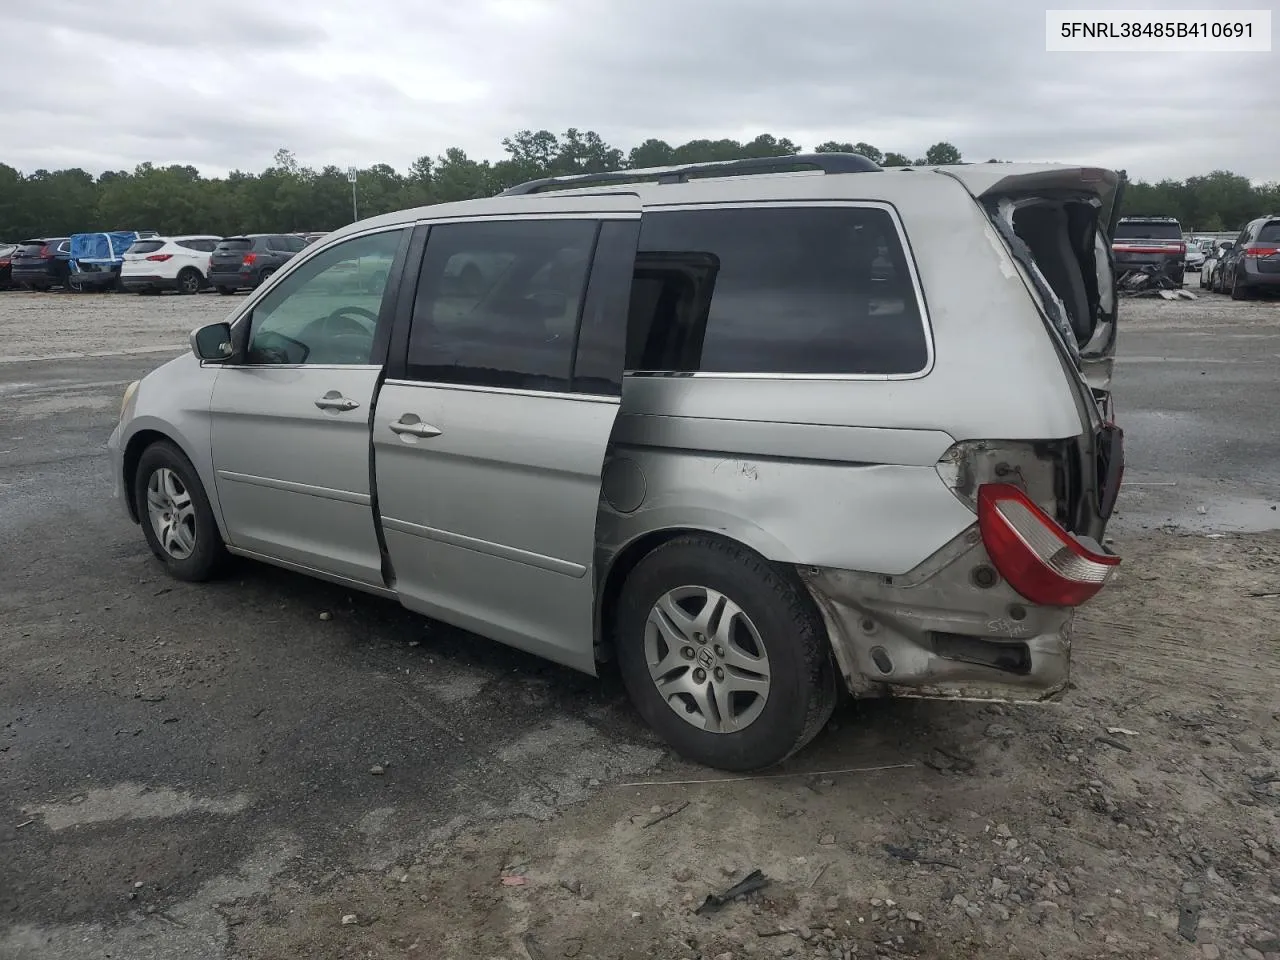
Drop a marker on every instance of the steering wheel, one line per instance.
(342, 333)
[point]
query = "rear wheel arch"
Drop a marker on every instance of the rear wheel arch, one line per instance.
(629, 557)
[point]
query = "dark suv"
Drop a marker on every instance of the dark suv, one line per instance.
(41, 264)
(1142, 242)
(240, 262)
(1253, 264)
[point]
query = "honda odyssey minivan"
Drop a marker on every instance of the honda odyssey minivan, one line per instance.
(752, 430)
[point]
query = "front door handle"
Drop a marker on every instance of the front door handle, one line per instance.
(336, 401)
(414, 428)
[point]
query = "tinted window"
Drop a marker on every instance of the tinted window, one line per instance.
(145, 246)
(1148, 230)
(203, 246)
(297, 244)
(30, 249)
(1270, 232)
(327, 310)
(234, 245)
(808, 290)
(498, 303)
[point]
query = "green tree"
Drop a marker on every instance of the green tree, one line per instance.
(941, 153)
(289, 195)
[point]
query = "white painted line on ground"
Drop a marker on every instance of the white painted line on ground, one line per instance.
(1124, 360)
(95, 354)
(59, 386)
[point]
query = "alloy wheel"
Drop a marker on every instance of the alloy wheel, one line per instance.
(706, 659)
(172, 513)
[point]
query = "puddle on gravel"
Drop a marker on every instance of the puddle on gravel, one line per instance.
(1229, 516)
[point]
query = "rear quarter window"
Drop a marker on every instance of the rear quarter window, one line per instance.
(785, 290)
(1270, 232)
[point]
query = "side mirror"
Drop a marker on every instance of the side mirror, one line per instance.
(213, 343)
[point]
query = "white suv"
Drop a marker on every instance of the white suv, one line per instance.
(168, 263)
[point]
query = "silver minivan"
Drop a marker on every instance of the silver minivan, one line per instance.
(752, 431)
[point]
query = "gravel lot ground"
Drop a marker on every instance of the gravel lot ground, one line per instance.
(190, 771)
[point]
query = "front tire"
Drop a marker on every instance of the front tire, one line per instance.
(176, 517)
(722, 654)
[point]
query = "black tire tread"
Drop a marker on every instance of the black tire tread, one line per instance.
(798, 609)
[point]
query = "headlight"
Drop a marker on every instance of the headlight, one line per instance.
(129, 391)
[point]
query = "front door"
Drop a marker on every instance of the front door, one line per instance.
(290, 420)
(490, 433)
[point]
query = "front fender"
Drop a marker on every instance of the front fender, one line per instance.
(172, 402)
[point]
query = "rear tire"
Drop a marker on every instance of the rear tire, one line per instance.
(176, 517)
(189, 281)
(1238, 290)
(723, 655)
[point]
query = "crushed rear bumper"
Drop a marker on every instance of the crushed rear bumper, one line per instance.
(949, 629)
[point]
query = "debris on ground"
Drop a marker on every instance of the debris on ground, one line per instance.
(660, 813)
(753, 881)
(1151, 281)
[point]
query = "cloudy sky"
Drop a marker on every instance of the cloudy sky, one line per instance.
(222, 84)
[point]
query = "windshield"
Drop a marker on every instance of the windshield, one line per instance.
(1148, 230)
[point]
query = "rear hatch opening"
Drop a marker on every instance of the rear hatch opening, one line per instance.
(1057, 226)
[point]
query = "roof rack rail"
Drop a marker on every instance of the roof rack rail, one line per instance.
(825, 162)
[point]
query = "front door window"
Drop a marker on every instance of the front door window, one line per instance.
(326, 311)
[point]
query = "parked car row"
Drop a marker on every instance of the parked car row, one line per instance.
(1241, 267)
(1247, 265)
(144, 262)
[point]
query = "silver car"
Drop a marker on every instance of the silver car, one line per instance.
(752, 430)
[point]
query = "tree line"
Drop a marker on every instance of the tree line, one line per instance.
(288, 196)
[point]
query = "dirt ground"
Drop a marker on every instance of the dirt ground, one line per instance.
(1140, 817)
(62, 325)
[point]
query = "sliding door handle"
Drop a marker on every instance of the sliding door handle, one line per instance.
(414, 428)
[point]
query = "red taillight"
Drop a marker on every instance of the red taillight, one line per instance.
(1182, 248)
(45, 252)
(1041, 561)
(1256, 252)
(4, 263)
(248, 260)
(160, 257)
